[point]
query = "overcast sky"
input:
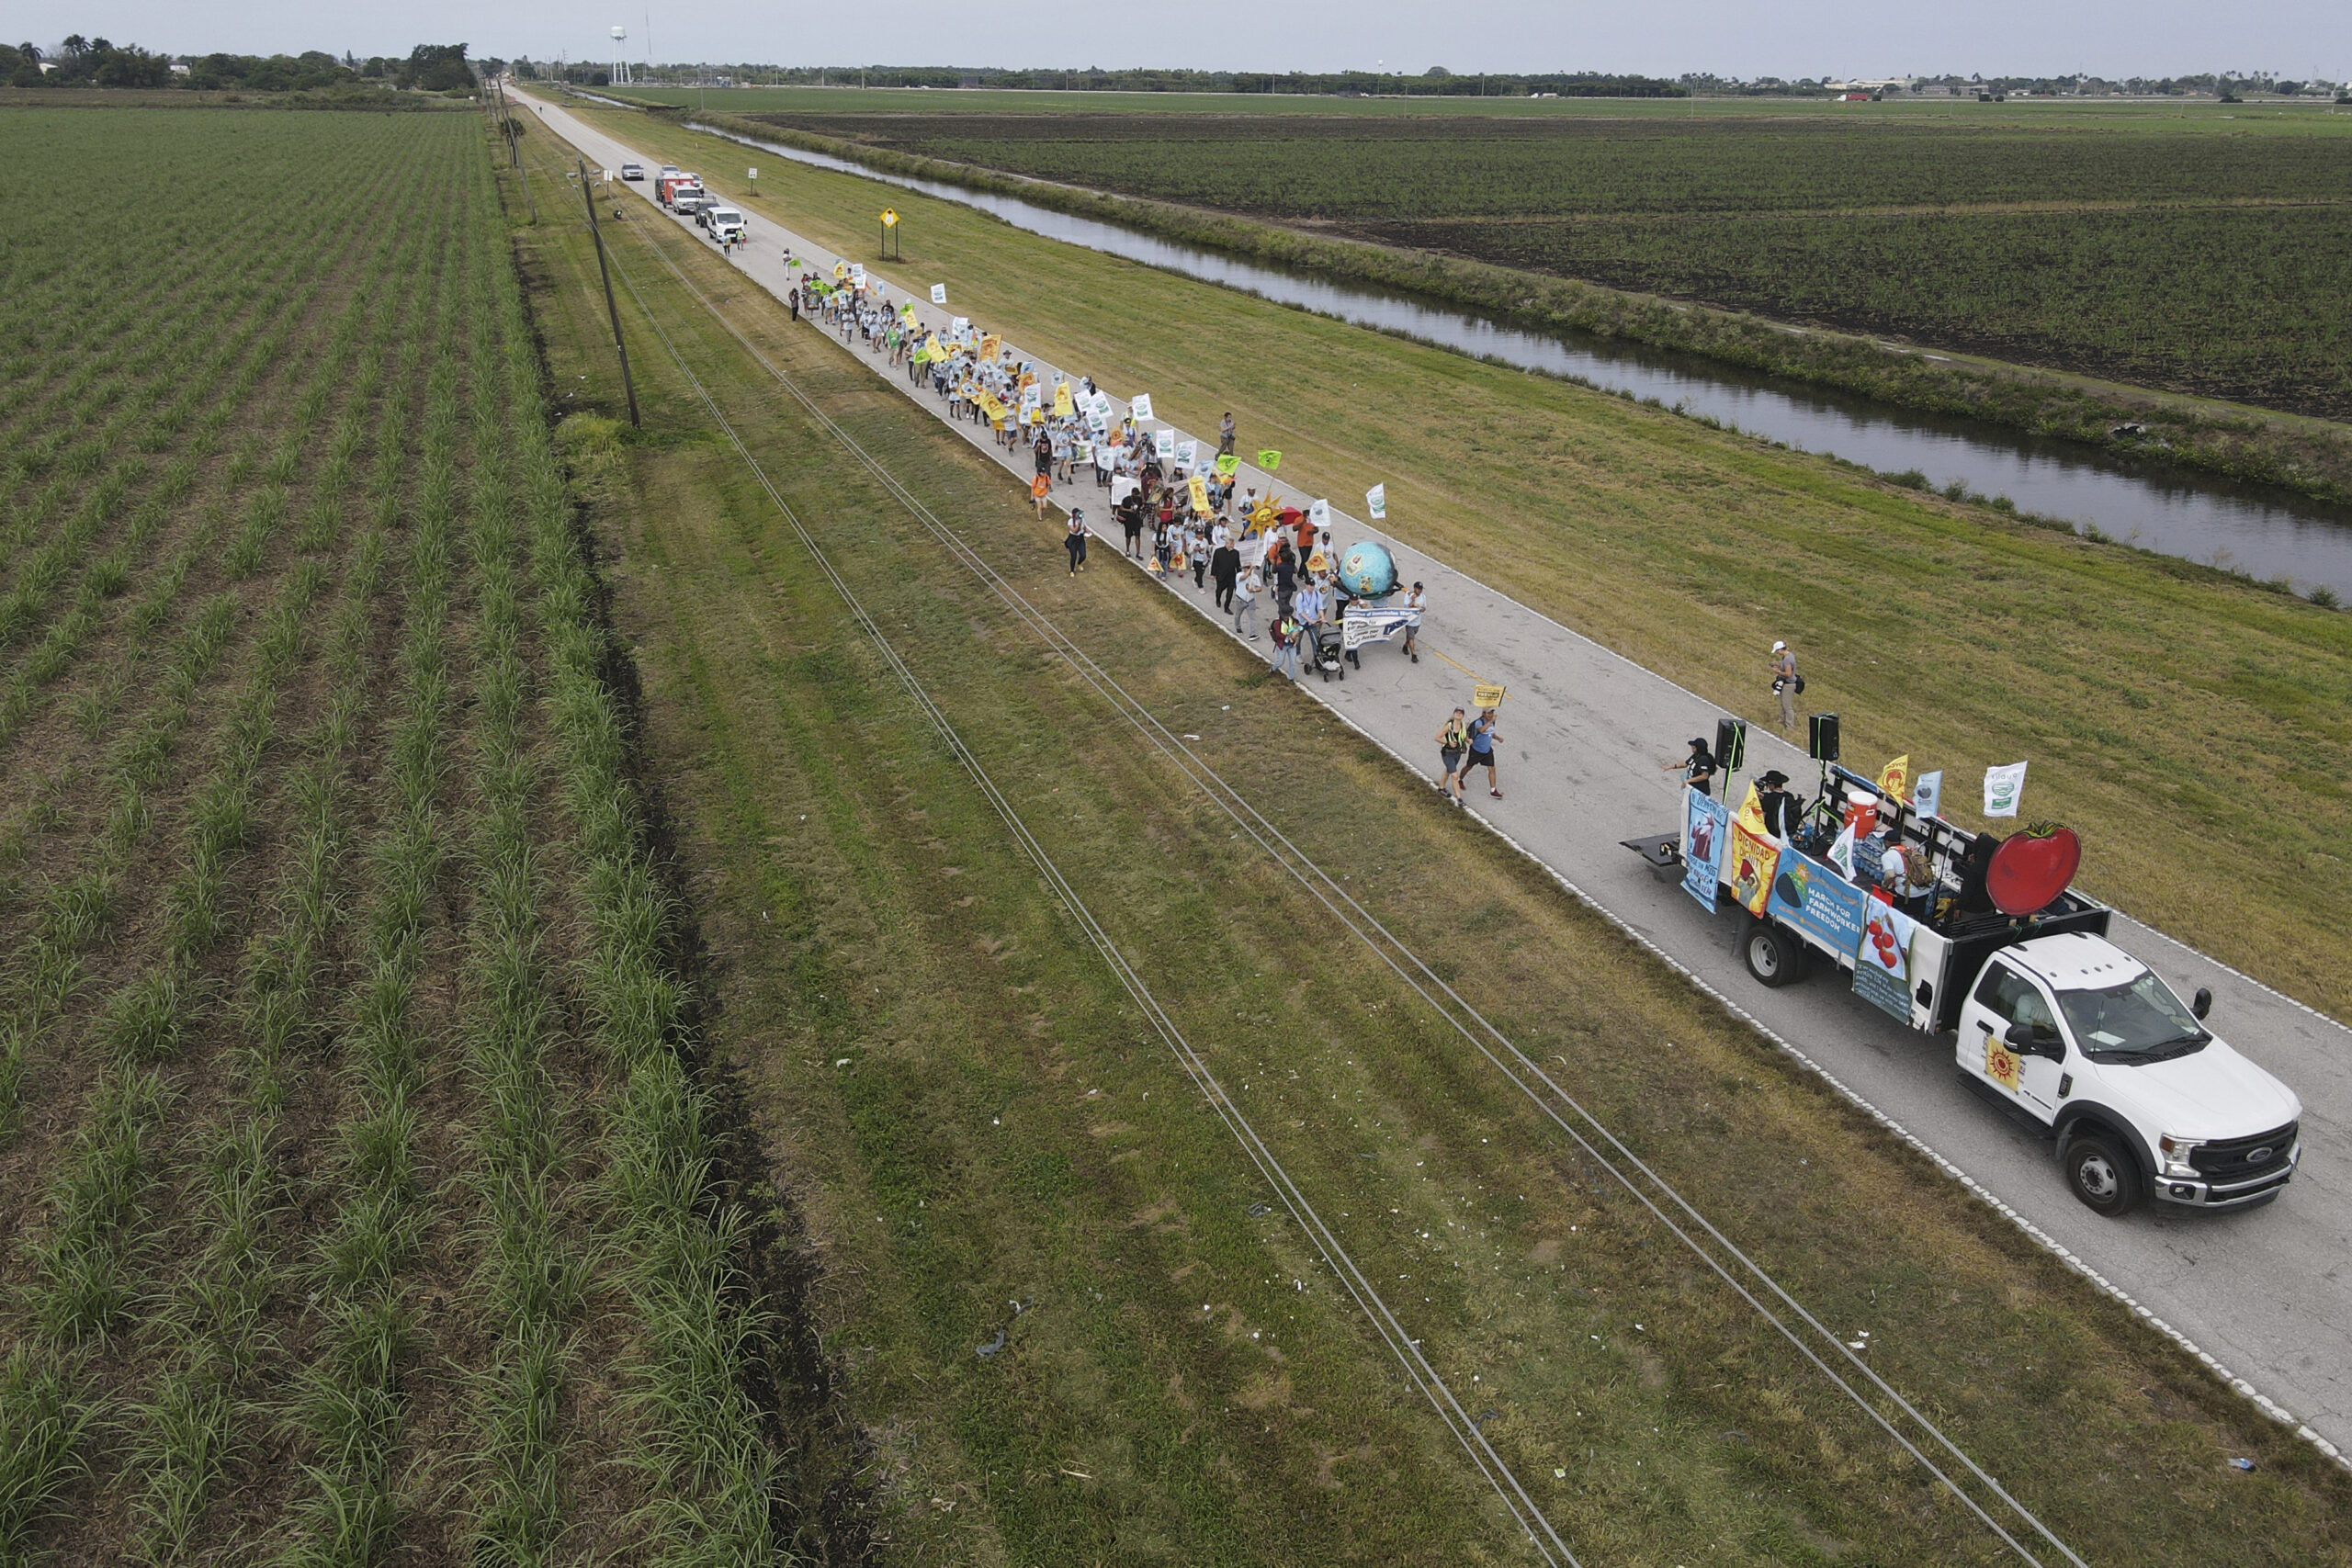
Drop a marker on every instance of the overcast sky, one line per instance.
(1731, 38)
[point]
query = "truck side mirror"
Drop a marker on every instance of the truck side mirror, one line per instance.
(2202, 1003)
(2027, 1041)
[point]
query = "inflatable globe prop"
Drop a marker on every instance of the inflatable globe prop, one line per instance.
(1368, 572)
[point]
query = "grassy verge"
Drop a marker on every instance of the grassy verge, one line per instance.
(2311, 456)
(982, 1148)
(2187, 724)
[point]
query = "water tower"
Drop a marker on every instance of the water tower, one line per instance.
(620, 77)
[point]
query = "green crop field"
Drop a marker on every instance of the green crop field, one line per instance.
(2174, 247)
(358, 1203)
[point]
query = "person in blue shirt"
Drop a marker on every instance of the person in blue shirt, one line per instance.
(1483, 736)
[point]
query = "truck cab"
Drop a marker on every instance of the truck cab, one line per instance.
(2090, 1045)
(689, 198)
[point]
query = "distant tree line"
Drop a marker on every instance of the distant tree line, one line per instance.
(96, 62)
(1437, 81)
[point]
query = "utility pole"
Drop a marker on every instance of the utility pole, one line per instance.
(612, 310)
(528, 199)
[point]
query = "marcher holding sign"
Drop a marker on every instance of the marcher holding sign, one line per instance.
(1483, 736)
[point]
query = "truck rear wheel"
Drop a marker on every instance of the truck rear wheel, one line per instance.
(2103, 1174)
(1773, 956)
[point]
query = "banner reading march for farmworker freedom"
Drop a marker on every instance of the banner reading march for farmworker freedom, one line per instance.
(1706, 828)
(1882, 962)
(1372, 623)
(1817, 901)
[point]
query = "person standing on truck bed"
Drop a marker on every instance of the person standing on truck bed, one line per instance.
(1697, 768)
(1782, 810)
(1786, 682)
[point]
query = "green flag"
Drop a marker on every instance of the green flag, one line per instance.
(1270, 460)
(1227, 465)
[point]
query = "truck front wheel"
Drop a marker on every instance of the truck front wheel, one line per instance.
(1773, 956)
(2102, 1174)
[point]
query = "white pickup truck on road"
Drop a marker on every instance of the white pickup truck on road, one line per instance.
(2051, 1021)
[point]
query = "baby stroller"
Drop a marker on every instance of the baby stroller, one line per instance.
(1331, 651)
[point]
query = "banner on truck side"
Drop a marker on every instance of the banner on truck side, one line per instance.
(1754, 857)
(1706, 829)
(2003, 787)
(1882, 963)
(1817, 901)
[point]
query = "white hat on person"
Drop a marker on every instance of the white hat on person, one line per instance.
(1778, 646)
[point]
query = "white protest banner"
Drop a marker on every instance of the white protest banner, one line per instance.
(1928, 794)
(1375, 501)
(1188, 451)
(1320, 514)
(1122, 487)
(960, 325)
(939, 294)
(1366, 623)
(1164, 443)
(1033, 396)
(1082, 452)
(2003, 787)
(1140, 408)
(857, 274)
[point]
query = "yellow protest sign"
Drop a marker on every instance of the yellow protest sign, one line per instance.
(993, 405)
(989, 345)
(841, 269)
(1318, 561)
(1895, 779)
(1063, 405)
(1200, 488)
(938, 350)
(1486, 696)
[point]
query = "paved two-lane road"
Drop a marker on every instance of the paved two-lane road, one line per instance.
(2267, 1294)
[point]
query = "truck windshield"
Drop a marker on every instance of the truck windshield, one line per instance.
(725, 215)
(2139, 1020)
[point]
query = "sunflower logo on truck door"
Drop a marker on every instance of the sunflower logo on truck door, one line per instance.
(2001, 1064)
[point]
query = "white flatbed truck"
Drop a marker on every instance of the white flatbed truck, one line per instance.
(2050, 1019)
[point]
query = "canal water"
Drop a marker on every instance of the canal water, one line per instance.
(2264, 533)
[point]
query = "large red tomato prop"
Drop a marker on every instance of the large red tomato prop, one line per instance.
(2033, 868)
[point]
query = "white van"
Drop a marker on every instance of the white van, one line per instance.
(724, 222)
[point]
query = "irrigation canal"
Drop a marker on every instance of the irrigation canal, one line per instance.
(2265, 533)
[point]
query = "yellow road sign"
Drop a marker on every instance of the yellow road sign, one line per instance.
(889, 217)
